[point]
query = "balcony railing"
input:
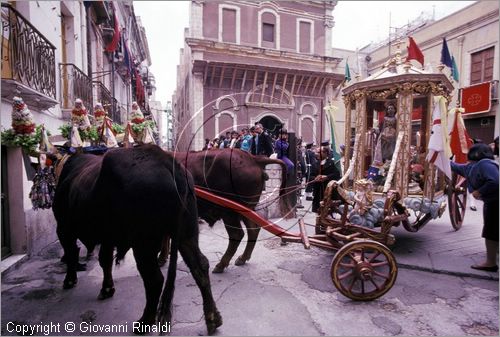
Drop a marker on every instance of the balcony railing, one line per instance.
(109, 103)
(28, 57)
(74, 84)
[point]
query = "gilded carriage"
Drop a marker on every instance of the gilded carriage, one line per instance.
(358, 211)
(394, 172)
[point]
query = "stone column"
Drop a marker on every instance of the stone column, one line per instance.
(329, 23)
(268, 206)
(197, 112)
(196, 19)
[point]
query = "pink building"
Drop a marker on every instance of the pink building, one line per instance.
(247, 61)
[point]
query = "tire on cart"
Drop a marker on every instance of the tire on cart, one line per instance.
(457, 200)
(364, 270)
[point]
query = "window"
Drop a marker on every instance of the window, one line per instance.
(268, 28)
(482, 66)
(229, 25)
(268, 32)
(304, 37)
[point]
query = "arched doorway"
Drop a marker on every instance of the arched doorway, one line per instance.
(271, 124)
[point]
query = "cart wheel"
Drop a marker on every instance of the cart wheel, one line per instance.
(457, 200)
(364, 270)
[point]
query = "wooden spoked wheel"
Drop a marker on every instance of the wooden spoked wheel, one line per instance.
(364, 270)
(457, 200)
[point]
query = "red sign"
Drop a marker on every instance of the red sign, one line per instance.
(477, 98)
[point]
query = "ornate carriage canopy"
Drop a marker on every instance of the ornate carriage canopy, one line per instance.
(411, 91)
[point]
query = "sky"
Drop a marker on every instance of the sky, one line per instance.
(357, 23)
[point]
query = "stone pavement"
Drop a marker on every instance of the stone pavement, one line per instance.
(281, 291)
(436, 247)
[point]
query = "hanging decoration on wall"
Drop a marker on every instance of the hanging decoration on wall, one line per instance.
(44, 184)
(79, 116)
(137, 117)
(22, 119)
(99, 115)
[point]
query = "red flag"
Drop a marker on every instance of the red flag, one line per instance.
(414, 53)
(460, 141)
(111, 47)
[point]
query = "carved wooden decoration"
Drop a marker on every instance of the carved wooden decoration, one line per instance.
(405, 107)
(360, 97)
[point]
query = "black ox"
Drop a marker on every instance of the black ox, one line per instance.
(132, 198)
(238, 176)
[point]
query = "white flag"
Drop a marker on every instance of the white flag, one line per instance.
(439, 144)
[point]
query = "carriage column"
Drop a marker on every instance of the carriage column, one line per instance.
(359, 167)
(405, 107)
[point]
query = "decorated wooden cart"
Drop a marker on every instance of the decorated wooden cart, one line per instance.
(420, 151)
(395, 174)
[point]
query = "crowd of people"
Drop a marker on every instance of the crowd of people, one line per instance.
(314, 165)
(254, 140)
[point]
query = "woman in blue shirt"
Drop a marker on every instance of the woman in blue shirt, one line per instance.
(481, 173)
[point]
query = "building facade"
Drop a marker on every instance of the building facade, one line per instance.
(245, 62)
(472, 36)
(54, 52)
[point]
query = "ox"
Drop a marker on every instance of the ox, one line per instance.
(236, 175)
(131, 198)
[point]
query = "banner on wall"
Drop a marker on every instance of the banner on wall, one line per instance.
(476, 98)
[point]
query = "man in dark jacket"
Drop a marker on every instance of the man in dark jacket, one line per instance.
(327, 171)
(481, 173)
(262, 143)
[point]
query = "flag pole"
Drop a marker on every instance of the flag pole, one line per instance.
(321, 133)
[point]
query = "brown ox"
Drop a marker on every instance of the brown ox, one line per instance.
(131, 198)
(239, 176)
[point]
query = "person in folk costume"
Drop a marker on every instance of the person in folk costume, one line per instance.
(22, 119)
